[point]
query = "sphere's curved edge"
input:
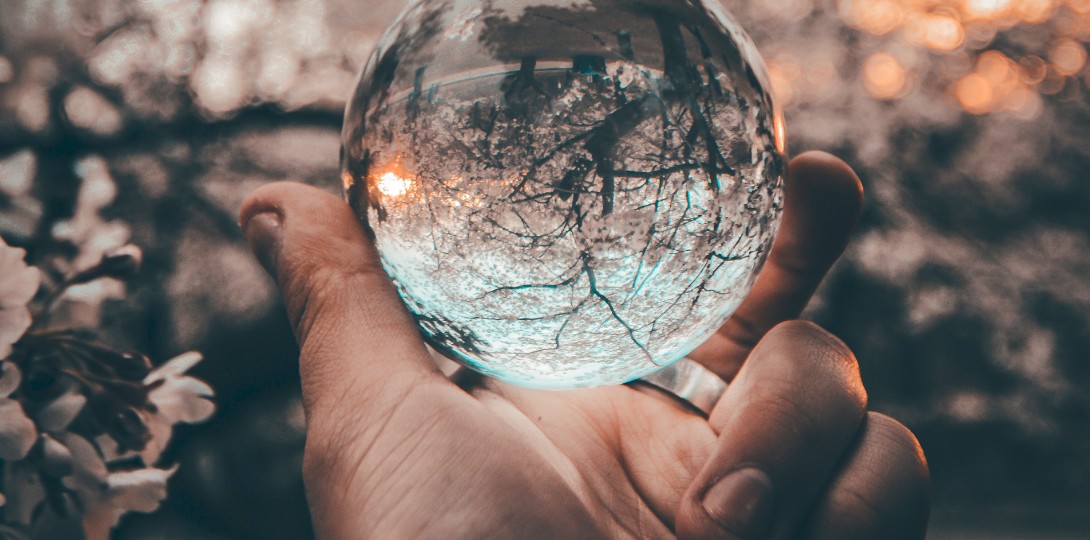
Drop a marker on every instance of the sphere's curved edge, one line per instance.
(551, 384)
(505, 168)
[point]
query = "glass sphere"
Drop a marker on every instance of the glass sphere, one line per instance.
(566, 193)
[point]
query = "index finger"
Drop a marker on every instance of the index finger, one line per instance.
(824, 198)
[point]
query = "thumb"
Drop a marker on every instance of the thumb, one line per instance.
(359, 348)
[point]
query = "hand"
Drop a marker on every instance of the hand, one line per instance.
(396, 450)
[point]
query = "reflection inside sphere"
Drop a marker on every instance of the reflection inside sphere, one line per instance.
(566, 193)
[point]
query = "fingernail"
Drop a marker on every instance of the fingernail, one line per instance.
(742, 503)
(265, 232)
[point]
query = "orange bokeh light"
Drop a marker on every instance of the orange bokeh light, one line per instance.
(975, 94)
(877, 17)
(942, 32)
(1034, 69)
(962, 29)
(784, 73)
(1036, 11)
(884, 76)
(1068, 57)
(986, 10)
(996, 67)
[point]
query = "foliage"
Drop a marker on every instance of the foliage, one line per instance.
(82, 425)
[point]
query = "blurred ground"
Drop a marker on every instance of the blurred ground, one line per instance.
(965, 295)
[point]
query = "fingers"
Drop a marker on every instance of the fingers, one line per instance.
(860, 504)
(360, 349)
(783, 426)
(823, 201)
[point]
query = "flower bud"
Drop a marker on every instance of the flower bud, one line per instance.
(122, 423)
(129, 430)
(119, 262)
(122, 261)
(130, 365)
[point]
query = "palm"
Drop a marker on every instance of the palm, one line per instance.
(635, 453)
(617, 458)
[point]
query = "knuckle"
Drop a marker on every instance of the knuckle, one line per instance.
(823, 361)
(811, 333)
(902, 448)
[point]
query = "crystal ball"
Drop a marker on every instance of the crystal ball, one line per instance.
(566, 193)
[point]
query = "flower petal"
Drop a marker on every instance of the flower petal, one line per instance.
(56, 459)
(99, 520)
(10, 378)
(140, 490)
(18, 282)
(17, 432)
(176, 367)
(161, 430)
(89, 475)
(180, 401)
(57, 415)
(194, 386)
(14, 321)
(111, 451)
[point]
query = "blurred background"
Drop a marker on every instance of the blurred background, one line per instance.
(966, 294)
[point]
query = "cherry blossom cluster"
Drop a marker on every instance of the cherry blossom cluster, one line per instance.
(82, 425)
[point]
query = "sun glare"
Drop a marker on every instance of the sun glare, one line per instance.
(392, 185)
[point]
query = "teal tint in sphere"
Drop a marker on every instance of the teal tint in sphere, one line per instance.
(566, 193)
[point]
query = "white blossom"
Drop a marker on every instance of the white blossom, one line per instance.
(140, 490)
(18, 285)
(178, 398)
(17, 432)
(56, 416)
(106, 496)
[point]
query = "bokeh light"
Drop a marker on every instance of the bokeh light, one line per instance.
(885, 76)
(1068, 57)
(972, 26)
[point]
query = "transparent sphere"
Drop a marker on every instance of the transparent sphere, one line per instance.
(566, 193)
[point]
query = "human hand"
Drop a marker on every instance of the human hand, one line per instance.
(396, 450)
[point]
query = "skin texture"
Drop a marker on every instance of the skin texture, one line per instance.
(397, 450)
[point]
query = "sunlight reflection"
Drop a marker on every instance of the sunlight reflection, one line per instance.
(392, 185)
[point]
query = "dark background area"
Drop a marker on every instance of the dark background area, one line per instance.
(966, 293)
